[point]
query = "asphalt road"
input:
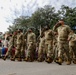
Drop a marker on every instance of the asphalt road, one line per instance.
(35, 68)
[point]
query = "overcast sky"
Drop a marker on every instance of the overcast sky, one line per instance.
(10, 9)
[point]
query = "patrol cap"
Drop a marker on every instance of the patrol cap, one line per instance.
(10, 34)
(47, 26)
(30, 29)
(20, 30)
(61, 19)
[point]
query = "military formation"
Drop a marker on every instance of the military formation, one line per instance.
(52, 45)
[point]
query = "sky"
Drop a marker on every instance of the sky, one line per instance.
(11, 9)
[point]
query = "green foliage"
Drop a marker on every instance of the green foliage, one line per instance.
(45, 16)
(69, 15)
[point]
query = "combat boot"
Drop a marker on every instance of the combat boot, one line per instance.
(49, 60)
(59, 61)
(39, 59)
(68, 62)
(74, 61)
(56, 60)
(26, 59)
(23, 59)
(12, 59)
(4, 58)
(19, 59)
(30, 59)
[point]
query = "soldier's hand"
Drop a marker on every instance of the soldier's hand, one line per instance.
(57, 24)
(55, 33)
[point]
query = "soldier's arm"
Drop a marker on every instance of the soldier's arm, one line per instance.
(56, 26)
(74, 38)
(68, 29)
(55, 30)
(38, 39)
(69, 38)
(34, 38)
(25, 35)
(54, 38)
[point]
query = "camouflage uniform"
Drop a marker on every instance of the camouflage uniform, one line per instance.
(31, 46)
(23, 48)
(49, 35)
(72, 46)
(63, 45)
(19, 43)
(10, 46)
(41, 49)
(55, 47)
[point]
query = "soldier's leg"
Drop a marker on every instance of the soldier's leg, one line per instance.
(64, 57)
(50, 53)
(71, 52)
(17, 52)
(66, 49)
(8, 52)
(33, 50)
(74, 54)
(56, 53)
(23, 52)
(30, 56)
(60, 53)
(40, 53)
(45, 51)
(29, 52)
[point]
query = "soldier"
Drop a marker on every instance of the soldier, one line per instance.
(72, 46)
(11, 45)
(23, 48)
(55, 47)
(63, 45)
(41, 48)
(31, 45)
(5, 41)
(20, 39)
(49, 36)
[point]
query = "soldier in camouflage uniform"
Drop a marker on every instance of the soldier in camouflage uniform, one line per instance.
(49, 36)
(31, 45)
(63, 45)
(11, 45)
(55, 47)
(20, 39)
(41, 48)
(23, 48)
(72, 46)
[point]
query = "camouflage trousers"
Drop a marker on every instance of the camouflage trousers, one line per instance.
(49, 49)
(63, 49)
(9, 51)
(41, 51)
(55, 48)
(23, 51)
(31, 47)
(18, 50)
(72, 52)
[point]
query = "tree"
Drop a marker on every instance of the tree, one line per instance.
(69, 15)
(21, 22)
(44, 16)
